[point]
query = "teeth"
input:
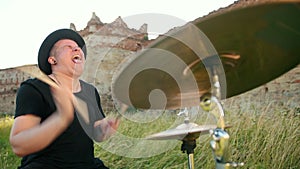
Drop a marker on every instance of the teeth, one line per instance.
(76, 58)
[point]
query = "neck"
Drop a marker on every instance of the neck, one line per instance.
(72, 83)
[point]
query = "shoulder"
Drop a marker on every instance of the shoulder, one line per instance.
(86, 85)
(82, 82)
(88, 89)
(35, 88)
(36, 83)
(34, 97)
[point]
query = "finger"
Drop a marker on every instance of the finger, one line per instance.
(123, 109)
(117, 121)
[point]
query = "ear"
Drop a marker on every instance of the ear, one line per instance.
(52, 60)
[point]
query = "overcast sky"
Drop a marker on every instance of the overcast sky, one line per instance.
(25, 23)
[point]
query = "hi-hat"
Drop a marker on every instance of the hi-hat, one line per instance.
(245, 47)
(185, 131)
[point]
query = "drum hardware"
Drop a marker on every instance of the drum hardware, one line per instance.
(219, 144)
(247, 40)
(187, 132)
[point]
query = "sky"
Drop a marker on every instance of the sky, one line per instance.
(25, 24)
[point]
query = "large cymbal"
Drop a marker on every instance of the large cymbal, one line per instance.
(265, 36)
(247, 47)
(185, 131)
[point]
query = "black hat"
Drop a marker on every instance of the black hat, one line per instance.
(50, 40)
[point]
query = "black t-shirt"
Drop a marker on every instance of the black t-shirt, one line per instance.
(73, 148)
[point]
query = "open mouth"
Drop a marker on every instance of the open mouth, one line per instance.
(77, 59)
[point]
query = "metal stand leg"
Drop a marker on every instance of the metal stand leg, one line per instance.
(191, 161)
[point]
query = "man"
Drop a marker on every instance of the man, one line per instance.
(48, 132)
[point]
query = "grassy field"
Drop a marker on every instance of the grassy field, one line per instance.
(7, 159)
(261, 138)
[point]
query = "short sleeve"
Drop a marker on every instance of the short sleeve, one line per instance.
(30, 101)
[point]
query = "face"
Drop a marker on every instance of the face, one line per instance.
(69, 58)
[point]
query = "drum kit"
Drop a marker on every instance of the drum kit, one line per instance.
(209, 59)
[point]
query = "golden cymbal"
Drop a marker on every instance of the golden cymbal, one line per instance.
(185, 131)
(245, 47)
(256, 44)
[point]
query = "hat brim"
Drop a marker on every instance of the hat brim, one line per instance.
(50, 40)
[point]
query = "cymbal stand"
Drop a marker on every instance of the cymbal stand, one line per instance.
(189, 142)
(188, 146)
(220, 141)
(219, 145)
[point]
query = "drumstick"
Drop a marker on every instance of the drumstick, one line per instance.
(38, 74)
(80, 105)
(123, 109)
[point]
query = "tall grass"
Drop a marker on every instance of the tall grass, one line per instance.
(263, 138)
(7, 159)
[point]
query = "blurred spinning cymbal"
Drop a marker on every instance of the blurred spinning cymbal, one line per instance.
(247, 47)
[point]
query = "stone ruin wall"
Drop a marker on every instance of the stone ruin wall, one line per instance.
(10, 80)
(285, 88)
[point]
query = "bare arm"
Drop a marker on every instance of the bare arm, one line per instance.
(28, 135)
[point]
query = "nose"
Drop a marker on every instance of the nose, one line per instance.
(76, 48)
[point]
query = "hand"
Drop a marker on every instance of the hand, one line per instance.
(63, 99)
(108, 127)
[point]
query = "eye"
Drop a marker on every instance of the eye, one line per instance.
(69, 47)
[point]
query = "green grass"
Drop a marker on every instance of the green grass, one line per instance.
(7, 159)
(262, 138)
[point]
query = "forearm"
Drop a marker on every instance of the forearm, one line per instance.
(39, 136)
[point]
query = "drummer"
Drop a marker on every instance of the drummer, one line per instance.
(46, 132)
